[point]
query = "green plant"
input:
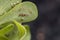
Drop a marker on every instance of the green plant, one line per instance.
(12, 14)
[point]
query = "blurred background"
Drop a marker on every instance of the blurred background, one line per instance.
(47, 25)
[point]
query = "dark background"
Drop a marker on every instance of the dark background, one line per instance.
(47, 25)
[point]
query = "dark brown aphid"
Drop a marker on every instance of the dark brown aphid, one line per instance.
(23, 15)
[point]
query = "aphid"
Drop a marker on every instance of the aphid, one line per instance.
(23, 15)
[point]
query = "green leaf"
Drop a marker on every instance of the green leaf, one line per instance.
(11, 10)
(24, 31)
(23, 12)
(3, 38)
(6, 5)
(6, 29)
(28, 36)
(21, 29)
(14, 34)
